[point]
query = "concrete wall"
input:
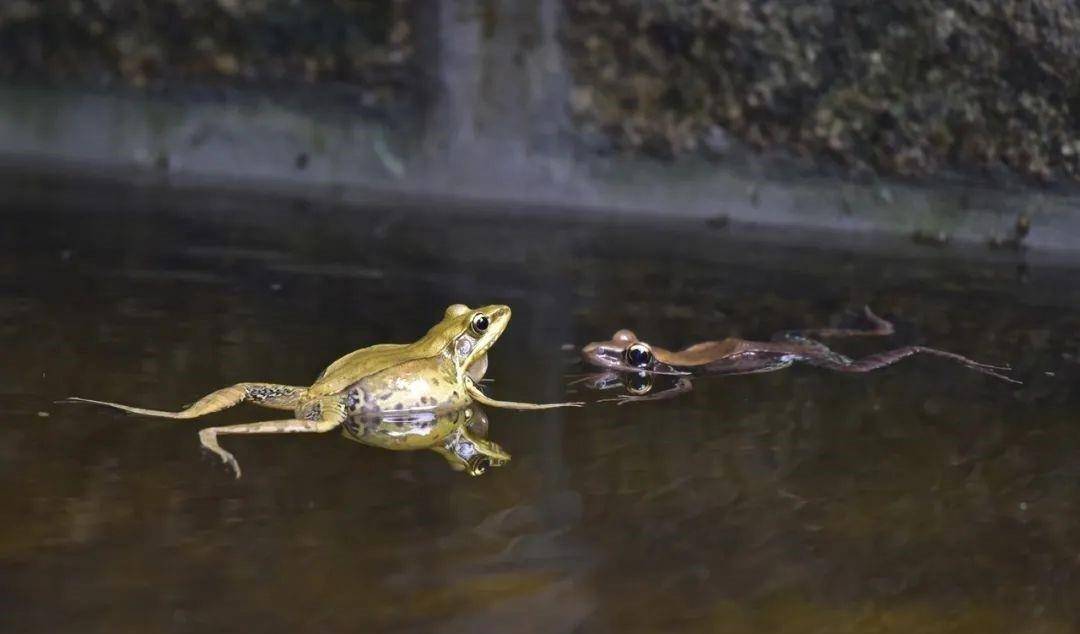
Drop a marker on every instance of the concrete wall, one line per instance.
(599, 105)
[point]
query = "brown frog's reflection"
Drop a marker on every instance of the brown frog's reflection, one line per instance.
(457, 435)
(639, 386)
(634, 364)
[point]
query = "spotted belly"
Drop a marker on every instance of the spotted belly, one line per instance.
(404, 393)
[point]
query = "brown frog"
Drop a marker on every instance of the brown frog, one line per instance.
(634, 363)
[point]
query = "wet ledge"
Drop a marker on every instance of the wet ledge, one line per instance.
(261, 144)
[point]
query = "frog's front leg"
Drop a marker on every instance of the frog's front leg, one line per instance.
(315, 417)
(264, 394)
(478, 396)
(682, 386)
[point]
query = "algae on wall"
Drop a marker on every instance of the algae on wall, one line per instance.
(366, 45)
(901, 87)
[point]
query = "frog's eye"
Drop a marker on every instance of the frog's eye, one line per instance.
(478, 465)
(479, 323)
(638, 355)
(638, 383)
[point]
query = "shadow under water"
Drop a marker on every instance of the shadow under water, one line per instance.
(920, 497)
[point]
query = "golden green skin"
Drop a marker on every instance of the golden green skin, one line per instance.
(429, 374)
(457, 435)
(435, 374)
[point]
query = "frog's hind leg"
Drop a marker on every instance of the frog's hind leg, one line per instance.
(264, 394)
(883, 359)
(314, 417)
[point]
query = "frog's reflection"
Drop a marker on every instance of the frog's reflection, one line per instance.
(457, 435)
(639, 386)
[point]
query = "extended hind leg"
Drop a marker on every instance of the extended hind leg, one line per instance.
(264, 394)
(881, 360)
(315, 417)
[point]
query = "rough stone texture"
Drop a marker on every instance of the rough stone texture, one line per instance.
(366, 44)
(468, 100)
(902, 87)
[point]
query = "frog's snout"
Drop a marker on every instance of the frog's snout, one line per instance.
(479, 464)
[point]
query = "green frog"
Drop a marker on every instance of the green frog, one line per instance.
(439, 372)
(633, 362)
(459, 436)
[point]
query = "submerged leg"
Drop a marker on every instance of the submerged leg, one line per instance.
(264, 394)
(875, 361)
(484, 399)
(320, 416)
(682, 386)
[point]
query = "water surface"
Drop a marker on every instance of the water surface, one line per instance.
(923, 497)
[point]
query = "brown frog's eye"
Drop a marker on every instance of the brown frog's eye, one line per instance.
(638, 355)
(479, 323)
(638, 383)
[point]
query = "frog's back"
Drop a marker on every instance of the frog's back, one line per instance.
(368, 361)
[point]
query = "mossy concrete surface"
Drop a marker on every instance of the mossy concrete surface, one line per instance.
(601, 106)
(368, 45)
(904, 88)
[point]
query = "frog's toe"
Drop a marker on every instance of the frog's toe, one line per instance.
(231, 461)
(208, 438)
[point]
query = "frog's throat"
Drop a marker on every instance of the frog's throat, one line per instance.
(478, 368)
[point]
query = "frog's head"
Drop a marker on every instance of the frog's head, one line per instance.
(469, 333)
(482, 453)
(635, 383)
(467, 450)
(626, 353)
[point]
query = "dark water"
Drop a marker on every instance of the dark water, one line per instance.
(921, 498)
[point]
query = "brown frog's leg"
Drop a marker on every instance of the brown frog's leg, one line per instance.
(315, 417)
(758, 357)
(682, 386)
(484, 399)
(875, 361)
(264, 394)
